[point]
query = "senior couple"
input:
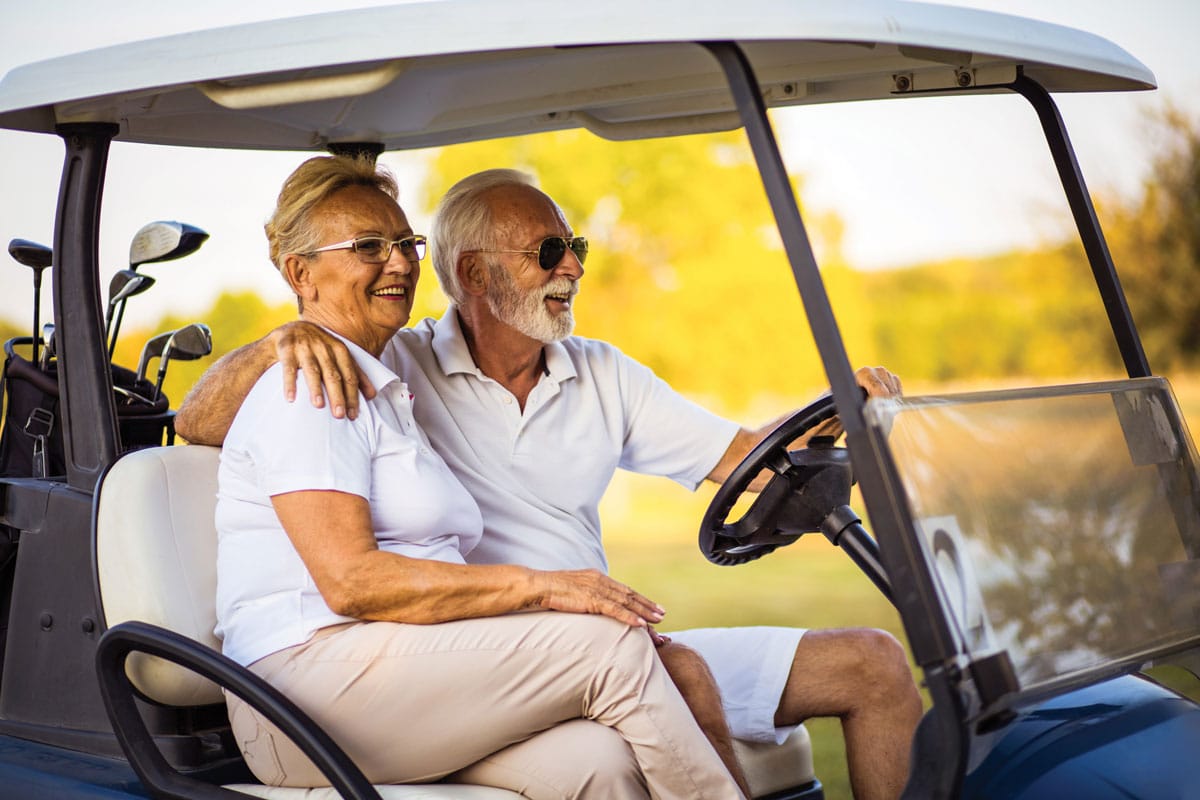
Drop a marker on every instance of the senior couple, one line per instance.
(373, 556)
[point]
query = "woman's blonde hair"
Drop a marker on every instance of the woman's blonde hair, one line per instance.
(291, 227)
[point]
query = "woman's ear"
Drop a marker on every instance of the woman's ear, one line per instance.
(472, 274)
(297, 271)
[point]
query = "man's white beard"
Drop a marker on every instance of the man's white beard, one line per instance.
(527, 312)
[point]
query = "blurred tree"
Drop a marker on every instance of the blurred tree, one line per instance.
(686, 271)
(1155, 241)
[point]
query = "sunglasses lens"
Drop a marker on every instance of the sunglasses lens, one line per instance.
(553, 249)
(551, 252)
(579, 247)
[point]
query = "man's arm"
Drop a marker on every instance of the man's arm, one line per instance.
(878, 382)
(209, 408)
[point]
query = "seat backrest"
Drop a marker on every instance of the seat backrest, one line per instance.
(156, 558)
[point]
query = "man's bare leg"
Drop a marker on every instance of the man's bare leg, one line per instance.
(695, 681)
(862, 677)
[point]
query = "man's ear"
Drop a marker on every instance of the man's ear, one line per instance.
(297, 271)
(472, 274)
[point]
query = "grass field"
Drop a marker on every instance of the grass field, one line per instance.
(650, 534)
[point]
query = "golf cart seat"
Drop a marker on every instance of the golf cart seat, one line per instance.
(156, 548)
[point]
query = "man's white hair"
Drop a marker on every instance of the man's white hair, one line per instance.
(463, 221)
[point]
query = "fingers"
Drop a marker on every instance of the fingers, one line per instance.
(591, 592)
(879, 382)
(329, 369)
(657, 638)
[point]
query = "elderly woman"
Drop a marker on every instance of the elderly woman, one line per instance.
(341, 577)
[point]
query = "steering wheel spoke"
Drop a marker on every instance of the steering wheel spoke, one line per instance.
(806, 486)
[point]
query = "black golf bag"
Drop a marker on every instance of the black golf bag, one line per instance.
(31, 441)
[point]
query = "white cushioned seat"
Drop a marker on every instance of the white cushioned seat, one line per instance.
(156, 555)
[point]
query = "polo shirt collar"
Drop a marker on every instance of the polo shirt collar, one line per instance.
(376, 372)
(453, 355)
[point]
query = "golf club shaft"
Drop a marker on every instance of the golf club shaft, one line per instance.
(37, 313)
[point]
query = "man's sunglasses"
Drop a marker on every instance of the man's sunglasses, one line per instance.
(552, 249)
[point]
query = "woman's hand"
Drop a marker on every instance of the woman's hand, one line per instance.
(588, 591)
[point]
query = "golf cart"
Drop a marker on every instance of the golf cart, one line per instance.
(1040, 544)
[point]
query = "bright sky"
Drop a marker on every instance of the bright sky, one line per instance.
(904, 197)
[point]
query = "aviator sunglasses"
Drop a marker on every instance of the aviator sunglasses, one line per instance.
(552, 249)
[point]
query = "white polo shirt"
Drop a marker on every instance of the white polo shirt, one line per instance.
(538, 476)
(266, 599)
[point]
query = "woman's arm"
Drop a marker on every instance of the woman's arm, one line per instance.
(333, 534)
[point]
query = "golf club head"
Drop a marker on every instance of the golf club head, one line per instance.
(189, 343)
(186, 344)
(154, 347)
(47, 345)
(127, 283)
(124, 284)
(31, 254)
(164, 240)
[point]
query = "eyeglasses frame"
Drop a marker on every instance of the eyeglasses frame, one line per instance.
(417, 240)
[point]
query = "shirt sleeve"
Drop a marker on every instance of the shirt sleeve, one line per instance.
(666, 433)
(295, 447)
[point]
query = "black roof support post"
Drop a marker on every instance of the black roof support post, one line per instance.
(84, 378)
(936, 774)
(1115, 305)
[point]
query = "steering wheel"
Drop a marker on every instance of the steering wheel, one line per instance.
(807, 485)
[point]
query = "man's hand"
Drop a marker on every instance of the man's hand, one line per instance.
(879, 382)
(876, 381)
(328, 368)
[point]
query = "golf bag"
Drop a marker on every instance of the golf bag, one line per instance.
(31, 441)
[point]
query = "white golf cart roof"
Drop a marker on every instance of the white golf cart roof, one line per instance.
(433, 73)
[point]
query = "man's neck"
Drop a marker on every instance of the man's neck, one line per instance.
(509, 357)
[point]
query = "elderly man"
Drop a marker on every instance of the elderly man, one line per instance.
(535, 422)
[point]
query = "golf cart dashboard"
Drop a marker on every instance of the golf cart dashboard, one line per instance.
(1060, 527)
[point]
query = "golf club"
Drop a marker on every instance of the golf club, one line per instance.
(162, 240)
(186, 344)
(152, 348)
(47, 346)
(37, 257)
(125, 283)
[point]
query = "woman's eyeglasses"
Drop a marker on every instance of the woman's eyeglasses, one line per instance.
(378, 249)
(552, 249)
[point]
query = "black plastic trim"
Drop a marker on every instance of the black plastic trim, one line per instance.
(1098, 255)
(160, 778)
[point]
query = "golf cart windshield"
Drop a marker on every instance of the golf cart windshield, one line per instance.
(1061, 523)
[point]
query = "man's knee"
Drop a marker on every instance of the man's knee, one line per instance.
(885, 658)
(861, 665)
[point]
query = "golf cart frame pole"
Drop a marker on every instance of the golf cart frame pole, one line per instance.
(1094, 244)
(89, 449)
(932, 643)
(938, 765)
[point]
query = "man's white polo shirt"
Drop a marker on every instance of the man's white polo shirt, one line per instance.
(538, 475)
